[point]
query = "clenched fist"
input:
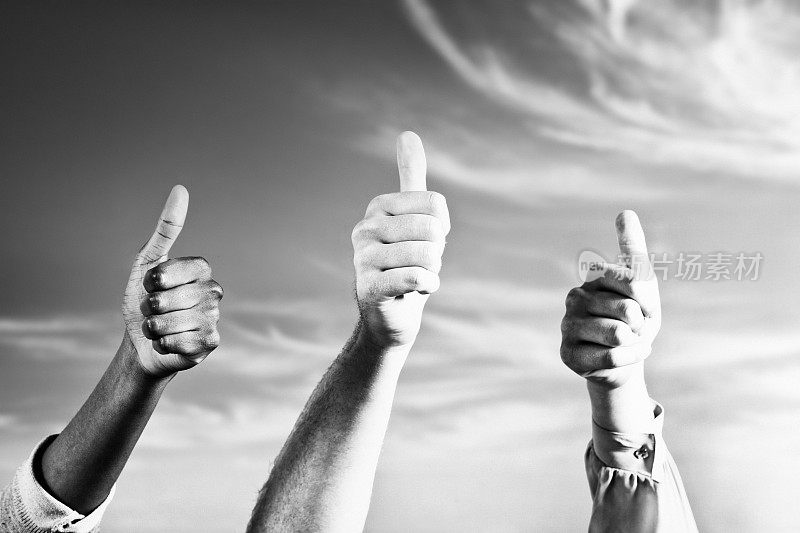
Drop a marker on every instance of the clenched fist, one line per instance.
(613, 318)
(398, 250)
(171, 306)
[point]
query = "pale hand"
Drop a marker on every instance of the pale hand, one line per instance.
(398, 250)
(613, 318)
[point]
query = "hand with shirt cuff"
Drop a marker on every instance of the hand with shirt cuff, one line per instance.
(170, 309)
(608, 331)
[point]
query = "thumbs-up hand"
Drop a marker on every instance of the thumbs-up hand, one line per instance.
(613, 318)
(398, 250)
(170, 306)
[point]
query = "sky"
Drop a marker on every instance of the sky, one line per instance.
(541, 120)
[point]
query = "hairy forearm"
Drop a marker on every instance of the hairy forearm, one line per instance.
(82, 464)
(322, 479)
(624, 409)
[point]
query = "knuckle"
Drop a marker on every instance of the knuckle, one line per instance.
(201, 263)
(157, 276)
(211, 340)
(360, 231)
(629, 311)
(574, 296)
(165, 343)
(565, 326)
(569, 328)
(155, 303)
(363, 258)
(153, 324)
(435, 229)
(612, 334)
(567, 356)
(615, 358)
(376, 202)
(427, 255)
(213, 314)
(437, 202)
(611, 359)
(215, 290)
(414, 277)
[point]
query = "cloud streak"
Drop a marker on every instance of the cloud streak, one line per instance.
(707, 87)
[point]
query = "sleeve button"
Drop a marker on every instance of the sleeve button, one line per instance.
(642, 453)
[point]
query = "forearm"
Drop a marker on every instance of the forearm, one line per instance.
(82, 464)
(624, 409)
(322, 479)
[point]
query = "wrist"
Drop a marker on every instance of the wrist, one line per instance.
(377, 343)
(626, 408)
(134, 370)
(386, 355)
(634, 383)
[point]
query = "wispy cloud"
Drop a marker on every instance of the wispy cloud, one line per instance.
(59, 324)
(707, 87)
(238, 421)
(511, 164)
(90, 336)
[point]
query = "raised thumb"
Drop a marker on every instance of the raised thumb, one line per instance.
(168, 227)
(411, 162)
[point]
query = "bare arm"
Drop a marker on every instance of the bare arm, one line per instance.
(82, 464)
(322, 479)
(170, 309)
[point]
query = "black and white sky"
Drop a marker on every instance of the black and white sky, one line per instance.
(541, 120)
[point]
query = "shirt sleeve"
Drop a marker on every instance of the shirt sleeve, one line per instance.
(26, 507)
(635, 484)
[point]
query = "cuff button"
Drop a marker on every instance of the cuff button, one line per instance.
(642, 453)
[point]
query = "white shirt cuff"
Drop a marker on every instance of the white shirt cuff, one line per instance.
(642, 453)
(44, 510)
